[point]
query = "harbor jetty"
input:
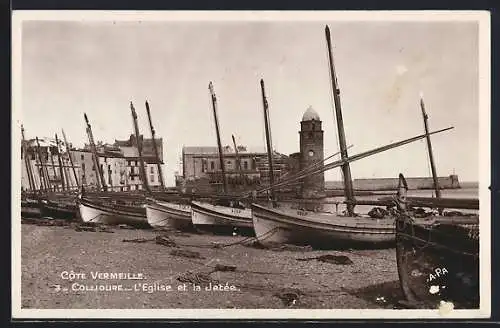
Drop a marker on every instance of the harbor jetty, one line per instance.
(386, 184)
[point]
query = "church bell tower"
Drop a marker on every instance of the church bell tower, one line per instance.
(312, 153)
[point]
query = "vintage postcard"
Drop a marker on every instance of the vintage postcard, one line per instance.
(251, 164)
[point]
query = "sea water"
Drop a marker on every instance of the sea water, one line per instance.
(468, 193)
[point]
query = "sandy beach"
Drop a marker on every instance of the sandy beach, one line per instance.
(117, 267)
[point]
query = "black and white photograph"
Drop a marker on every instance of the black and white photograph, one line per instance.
(251, 164)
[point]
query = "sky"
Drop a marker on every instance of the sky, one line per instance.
(383, 67)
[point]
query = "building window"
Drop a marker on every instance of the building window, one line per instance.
(152, 170)
(81, 156)
(152, 178)
(212, 166)
(203, 165)
(245, 165)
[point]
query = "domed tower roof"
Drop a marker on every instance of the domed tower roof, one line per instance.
(310, 114)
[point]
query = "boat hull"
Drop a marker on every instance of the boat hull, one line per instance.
(432, 255)
(288, 226)
(30, 209)
(169, 216)
(221, 219)
(54, 210)
(100, 213)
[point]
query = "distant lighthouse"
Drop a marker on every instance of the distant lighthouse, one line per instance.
(311, 152)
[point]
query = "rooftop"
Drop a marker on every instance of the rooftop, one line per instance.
(310, 114)
(210, 150)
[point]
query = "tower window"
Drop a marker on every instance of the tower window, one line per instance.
(311, 153)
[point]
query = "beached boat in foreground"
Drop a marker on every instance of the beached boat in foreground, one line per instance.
(168, 215)
(105, 212)
(438, 258)
(289, 226)
(223, 219)
(273, 224)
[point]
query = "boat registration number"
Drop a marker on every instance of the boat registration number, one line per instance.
(300, 212)
(236, 210)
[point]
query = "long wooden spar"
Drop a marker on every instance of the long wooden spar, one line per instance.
(429, 149)
(29, 172)
(44, 174)
(219, 145)
(269, 144)
(61, 169)
(100, 177)
(160, 173)
(70, 159)
(356, 157)
(139, 149)
(346, 170)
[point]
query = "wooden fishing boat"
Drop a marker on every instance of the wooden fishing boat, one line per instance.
(438, 258)
(225, 215)
(273, 224)
(321, 230)
(221, 219)
(168, 215)
(106, 212)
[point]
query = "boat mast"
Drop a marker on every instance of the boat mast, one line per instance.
(31, 181)
(44, 173)
(70, 159)
(139, 149)
(238, 161)
(346, 170)
(160, 174)
(268, 139)
(429, 149)
(67, 175)
(61, 170)
(56, 185)
(100, 177)
(221, 155)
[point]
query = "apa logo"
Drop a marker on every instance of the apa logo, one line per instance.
(438, 272)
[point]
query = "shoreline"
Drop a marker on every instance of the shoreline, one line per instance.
(255, 277)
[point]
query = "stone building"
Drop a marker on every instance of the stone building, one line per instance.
(131, 155)
(111, 163)
(312, 153)
(201, 165)
(201, 169)
(50, 160)
(118, 162)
